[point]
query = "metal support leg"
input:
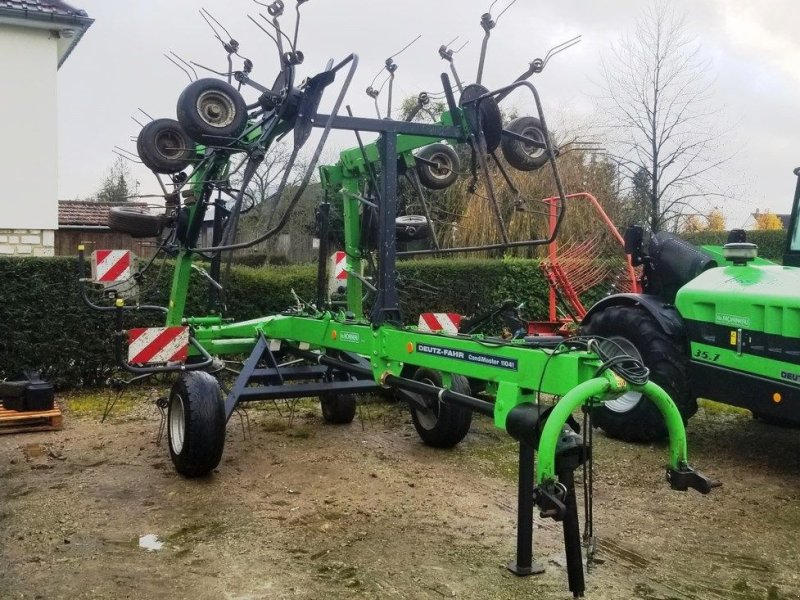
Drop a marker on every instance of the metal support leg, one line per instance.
(572, 535)
(524, 565)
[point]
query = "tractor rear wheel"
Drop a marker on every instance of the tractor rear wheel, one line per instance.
(195, 424)
(442, 425)
(632, 416)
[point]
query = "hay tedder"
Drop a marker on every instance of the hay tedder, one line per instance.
(316, 349)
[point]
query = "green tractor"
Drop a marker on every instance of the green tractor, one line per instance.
(715, 323)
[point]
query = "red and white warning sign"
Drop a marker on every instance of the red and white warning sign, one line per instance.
(447, 322)
(111, 266)
(340, 266)
(158, 345)
(337, 273)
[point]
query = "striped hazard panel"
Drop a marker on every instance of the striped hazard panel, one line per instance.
(156, 345)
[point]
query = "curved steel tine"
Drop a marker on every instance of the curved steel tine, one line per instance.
(188, 65)
(272, 37)
(204, 10)
(174, 62)
(137, 121)
(510, 4)
(278, 30)
(560, 48)
(221, 74)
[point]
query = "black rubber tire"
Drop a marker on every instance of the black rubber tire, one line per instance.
(198, 397)
(447, 424)
(338, 409)
(438, 178)
(489, 117)
(212, 112)
(412, 227)
(519, 155)
(641, 421)
(165, 147)
(135, 221)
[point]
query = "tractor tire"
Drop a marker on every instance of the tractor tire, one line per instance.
(632, 417)
(338, 409)
(520, 155)
(195, 424)
(165, 147)
(212, 112)
(443, 176)
(135, 221)
(444, 425)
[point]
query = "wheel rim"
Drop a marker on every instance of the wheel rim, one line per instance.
(216, 109)
(536, 134)
(443, 168)
(169, 144)
(427, 418)
(627, 401)
(177, 423)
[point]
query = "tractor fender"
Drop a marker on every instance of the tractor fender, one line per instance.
(665, 314)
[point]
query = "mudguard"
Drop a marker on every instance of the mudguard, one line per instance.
(666, 315)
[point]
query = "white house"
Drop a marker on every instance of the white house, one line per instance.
(36, 37)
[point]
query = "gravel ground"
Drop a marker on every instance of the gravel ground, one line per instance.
(300, 509)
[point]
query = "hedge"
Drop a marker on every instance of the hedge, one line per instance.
(44, 325)
(771, 244)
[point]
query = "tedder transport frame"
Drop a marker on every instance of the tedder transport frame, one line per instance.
(317, 350)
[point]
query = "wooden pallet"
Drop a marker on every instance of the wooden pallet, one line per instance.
(12, 421)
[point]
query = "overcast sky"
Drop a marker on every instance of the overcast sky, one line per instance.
(751, 44)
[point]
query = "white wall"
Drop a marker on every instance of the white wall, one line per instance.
(28, 128)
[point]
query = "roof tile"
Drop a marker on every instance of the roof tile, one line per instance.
(87, 212)
(54, 7)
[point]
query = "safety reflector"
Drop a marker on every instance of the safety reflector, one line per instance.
(340, 266)
(158, 345)
(447, 322)
(111, 266)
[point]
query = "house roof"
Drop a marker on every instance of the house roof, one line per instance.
(87, 213)
(51, 7)
(70, 23)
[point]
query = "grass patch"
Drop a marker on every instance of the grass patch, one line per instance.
(722, 409)
(92, 403)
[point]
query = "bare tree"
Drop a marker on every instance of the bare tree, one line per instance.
(656, 90)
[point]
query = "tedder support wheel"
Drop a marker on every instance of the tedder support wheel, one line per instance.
(135, 221)
(165, 147)
(447, 168)
(338, 409)
(443, 425)
(212, 112)
(632, 417)
(195, 424)
(522, 156)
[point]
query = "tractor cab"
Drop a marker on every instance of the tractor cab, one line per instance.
(791, 254)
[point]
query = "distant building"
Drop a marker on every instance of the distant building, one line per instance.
(36, 37)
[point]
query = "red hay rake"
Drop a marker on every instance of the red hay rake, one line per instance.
(574, 268)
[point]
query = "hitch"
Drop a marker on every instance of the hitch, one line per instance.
(686, 477)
